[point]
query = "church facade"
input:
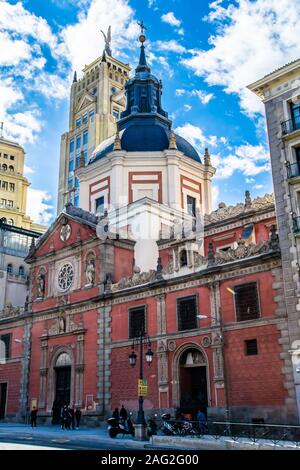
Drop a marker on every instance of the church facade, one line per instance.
(146, 255)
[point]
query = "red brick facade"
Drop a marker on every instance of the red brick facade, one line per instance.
(87, 325)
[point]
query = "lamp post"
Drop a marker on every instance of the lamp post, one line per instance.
(140, 426)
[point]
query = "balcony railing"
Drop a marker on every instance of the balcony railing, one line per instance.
(296, 224)
(293, 169)
(290, 125)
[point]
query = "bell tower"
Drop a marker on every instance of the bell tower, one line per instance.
(96, 102)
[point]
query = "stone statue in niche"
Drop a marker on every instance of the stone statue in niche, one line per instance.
(90, 272)
(41, 284)
(61, 325)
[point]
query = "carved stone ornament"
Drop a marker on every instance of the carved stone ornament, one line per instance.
(226, 212)
(65, 232)
(171, 345)
(206, 341)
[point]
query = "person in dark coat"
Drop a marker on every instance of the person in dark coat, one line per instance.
(123, 413)
(116, 414)
(33, 417)
(71, 416)
(77, 417)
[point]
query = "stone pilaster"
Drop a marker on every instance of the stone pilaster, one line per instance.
(25, 367)
(104, 361)
(79, 370)
(161, 315)
(43, 373)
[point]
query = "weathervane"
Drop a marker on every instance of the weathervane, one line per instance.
(142, 37)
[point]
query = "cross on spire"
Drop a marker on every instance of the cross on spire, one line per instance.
(142, 26)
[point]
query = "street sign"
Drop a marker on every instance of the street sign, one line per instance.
(142, 388)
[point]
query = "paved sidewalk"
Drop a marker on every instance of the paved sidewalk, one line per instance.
(99, 435)
(53, 432)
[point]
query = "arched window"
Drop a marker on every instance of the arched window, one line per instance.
(21, 271)
(4, 167)
(11, 168)
(183, 258)
(9, 268)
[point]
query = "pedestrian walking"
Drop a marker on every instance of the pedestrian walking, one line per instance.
(64, 417)
(77, 417)
(71, 416)
(33, 417)
(202, 421)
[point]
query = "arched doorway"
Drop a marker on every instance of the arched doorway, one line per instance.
(62, 370)
(192, 382)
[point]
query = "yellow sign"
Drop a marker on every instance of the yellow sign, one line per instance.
(142, 388)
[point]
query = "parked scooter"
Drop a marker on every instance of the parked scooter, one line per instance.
(168, 428)
(116, 427)
(152, 426)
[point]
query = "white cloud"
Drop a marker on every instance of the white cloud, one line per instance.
(28, 170)
(195, 136)
(250, 160)
(83, 41)
(250, 180)
(171, 19)
(204, 97)
(180, 92)
(252, 39)
(170, 46)
(163, 61)
(38, 206)
(258, 186)
(187, 107)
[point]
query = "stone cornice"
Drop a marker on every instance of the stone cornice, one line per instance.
(195, 333)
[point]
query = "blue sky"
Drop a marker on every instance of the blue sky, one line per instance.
(204, 52)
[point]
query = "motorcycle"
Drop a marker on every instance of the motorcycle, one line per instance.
(116, 427)
(152, 426)
(168, 428)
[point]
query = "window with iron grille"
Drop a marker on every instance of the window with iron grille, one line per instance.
(246, 301)
(251, 347)
(7, 342)
(137, 321)
(187, 313)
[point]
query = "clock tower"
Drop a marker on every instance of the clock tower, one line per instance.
(96, 102)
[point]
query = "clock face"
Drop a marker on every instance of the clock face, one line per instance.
(65, 232)
(113, 90)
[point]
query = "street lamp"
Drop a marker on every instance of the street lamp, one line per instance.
(139, 342)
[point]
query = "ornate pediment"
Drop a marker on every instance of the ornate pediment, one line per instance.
(85, 101)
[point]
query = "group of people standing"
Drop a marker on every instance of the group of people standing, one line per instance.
(69, 416)
(122, 414)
